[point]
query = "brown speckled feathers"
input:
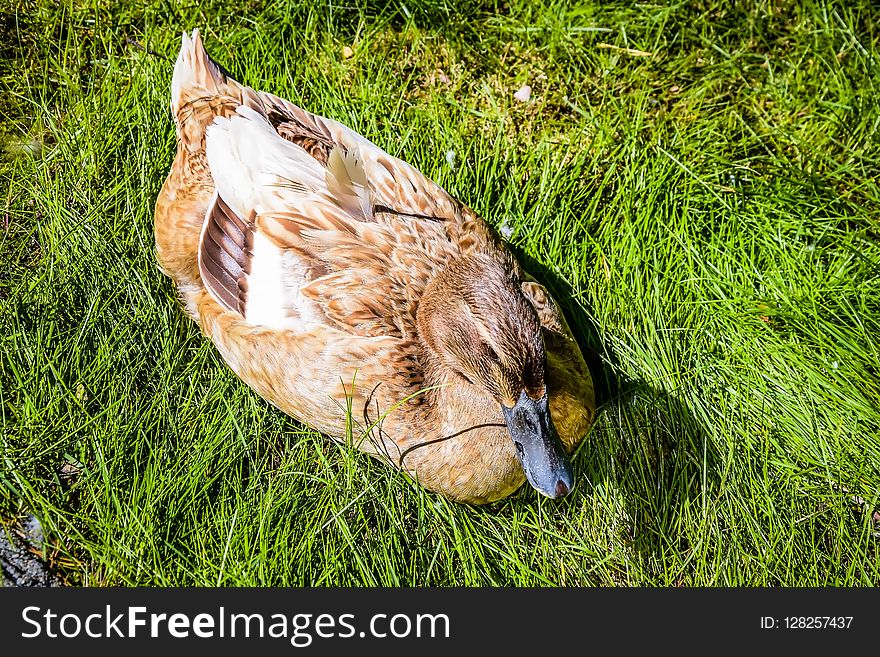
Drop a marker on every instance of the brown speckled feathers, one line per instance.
(331, 275)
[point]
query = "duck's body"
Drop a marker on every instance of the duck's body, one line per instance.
(336, 281)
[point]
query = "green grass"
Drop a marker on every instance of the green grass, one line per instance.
(707, 212)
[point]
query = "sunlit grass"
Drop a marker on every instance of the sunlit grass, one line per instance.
(696, 183)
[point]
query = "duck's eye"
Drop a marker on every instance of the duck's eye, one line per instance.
(492, 354)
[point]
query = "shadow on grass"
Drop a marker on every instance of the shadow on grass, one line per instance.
(649, 447)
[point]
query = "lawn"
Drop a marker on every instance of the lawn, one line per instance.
(697, 182)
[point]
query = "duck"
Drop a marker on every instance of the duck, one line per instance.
(360, 298)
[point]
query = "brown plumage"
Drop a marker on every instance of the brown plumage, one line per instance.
(331, 275)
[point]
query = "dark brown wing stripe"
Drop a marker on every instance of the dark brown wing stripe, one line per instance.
(225, 262)
(231, 233)
(228, 244)
(240, 228)
(221, 284)
(225, 252)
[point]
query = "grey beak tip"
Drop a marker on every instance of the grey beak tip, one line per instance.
(562, 488)
(538, 447)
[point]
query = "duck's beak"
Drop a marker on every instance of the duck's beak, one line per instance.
(546, 466)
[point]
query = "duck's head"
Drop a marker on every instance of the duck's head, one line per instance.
(477, 324)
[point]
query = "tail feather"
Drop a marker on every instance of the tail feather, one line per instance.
(196, 75)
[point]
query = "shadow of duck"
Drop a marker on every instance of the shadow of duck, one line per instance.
(646, 444)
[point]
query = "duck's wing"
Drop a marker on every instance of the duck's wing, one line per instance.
(397, 190)
(558, 337)
(291, 239)
(572, 399)
(395, 187)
